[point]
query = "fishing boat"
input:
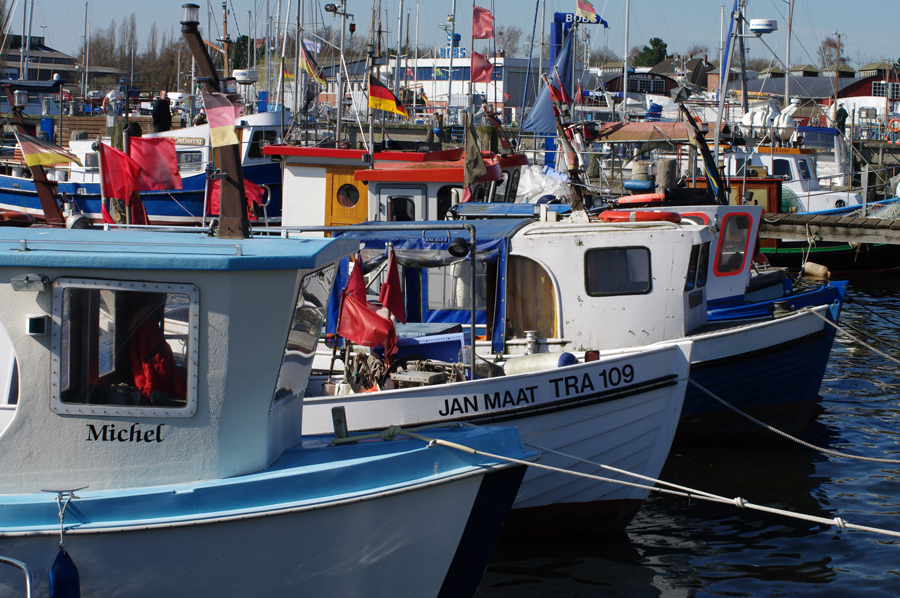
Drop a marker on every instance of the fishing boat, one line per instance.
(653, 279)
(150, 431)
(77, 188)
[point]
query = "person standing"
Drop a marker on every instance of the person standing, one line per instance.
(840, 119)
(162, 113)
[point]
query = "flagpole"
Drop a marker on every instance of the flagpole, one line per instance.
(450, 68)
(471, 55)
(416, 62)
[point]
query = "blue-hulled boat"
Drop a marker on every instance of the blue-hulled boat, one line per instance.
(80, 185)
(151, 415)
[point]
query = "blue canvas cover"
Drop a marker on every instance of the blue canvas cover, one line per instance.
(418, 249)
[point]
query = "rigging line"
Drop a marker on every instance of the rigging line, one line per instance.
(664, 20)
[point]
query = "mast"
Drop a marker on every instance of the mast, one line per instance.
(416, 62)
(625, 65)
(225, 43)
(298, 74)
(399, 45)
(450, 69)
(740, 32)
(24, 33)
(837, 65)
(787, 75)
(84, 58)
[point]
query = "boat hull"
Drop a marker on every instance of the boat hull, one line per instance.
(629, 426)
(839, 258)
(175, 207)
(250, 541)
(771, 371)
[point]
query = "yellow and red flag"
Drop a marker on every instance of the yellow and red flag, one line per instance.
(381, 98)
(39, 153)
(308, 64)
(586, 11)
(221, 111)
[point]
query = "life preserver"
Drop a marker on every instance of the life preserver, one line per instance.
(894, 125)
(642, 198)
(638, 216)
(698, 217)
(11, 218)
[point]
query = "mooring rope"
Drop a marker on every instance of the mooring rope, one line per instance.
(865, 305)
(737, 501)
(788, 436)
(392, 431)
(844, 332)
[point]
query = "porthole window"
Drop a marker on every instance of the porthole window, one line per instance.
(348, 196)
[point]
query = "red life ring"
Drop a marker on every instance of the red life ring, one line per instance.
(638, 216)
(894, 125)
(698, 217)
(643, 198)
(11, 218)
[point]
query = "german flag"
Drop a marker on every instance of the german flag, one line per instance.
(381, 98)
(41, 153)
(308, 64)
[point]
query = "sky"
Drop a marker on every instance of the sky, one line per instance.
(868, 28)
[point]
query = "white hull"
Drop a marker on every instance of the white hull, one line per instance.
(630, 426)
(370, 547)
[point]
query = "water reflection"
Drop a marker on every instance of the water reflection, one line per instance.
(678, 548)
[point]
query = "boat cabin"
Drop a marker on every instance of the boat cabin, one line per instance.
(132, 359)
(538, 281)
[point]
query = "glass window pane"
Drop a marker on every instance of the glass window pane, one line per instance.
(734, 238)
(617, 271)
(450, 287)
(781, 168)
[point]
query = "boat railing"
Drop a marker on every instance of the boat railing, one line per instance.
(29, 578)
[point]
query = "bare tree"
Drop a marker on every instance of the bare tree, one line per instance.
(604, 56)
(508, 40)
(697, 51)
(828, 51)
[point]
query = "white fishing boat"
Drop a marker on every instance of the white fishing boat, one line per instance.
(151, 421)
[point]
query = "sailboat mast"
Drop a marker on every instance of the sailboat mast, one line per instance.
(787, 75)
(399, 45)
(225, 44)
(450, 69)
(625, 65)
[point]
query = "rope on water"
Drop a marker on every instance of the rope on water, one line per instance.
(788, 436)
(865, 305)
(688, 493)
(845, 333)
(675, 490)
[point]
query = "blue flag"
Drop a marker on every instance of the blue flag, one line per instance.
(540, 119)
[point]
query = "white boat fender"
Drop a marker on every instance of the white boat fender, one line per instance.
(815, 270)
(537, 362)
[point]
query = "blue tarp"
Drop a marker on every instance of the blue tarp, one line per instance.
(541, 119)
(418, 249)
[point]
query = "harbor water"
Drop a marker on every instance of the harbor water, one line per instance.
(677, 547)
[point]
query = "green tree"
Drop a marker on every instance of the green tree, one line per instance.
(653, 54)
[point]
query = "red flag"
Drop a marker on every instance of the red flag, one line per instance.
(467, 195)
(120, 173)
(482, 69)
(391, 296)
(482, 23)
(363, 326)
(158, 161)
(564, 95)
(579, 94)
(356, 284)
(253, 191)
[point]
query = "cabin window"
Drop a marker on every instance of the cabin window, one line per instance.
(617, 271)
(450, 287)
(703, 267)
(803, 167)
(478, 194)
(348, 195)
(124, 348)
(306, 326)
(739, 165)
(513, 187)
(445, 200)
(697, 267)
(500, 187)
(734, 241)
(782, 168)
(259, 139)
(401, 209)
(530, 299)
(190, 161)
(91, 161)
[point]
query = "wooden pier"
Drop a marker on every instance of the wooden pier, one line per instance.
(847, 229)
